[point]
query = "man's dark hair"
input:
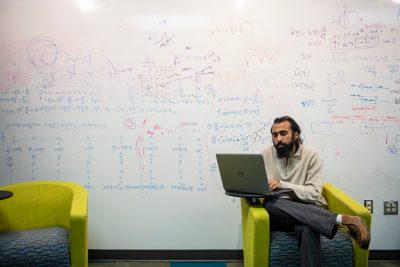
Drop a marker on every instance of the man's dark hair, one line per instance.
(293, 125)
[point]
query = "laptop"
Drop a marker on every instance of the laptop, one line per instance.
(244, 175)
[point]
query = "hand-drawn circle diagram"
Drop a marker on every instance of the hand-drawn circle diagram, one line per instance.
(348, 19)
(45, 55)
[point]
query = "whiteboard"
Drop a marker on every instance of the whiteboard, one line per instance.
(133, 99)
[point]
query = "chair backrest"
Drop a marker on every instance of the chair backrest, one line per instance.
(36, 205)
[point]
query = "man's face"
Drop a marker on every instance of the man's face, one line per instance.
(284, 139)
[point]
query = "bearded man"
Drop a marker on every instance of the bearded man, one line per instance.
(292, 165)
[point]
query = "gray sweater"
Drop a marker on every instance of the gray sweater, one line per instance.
(302, 173)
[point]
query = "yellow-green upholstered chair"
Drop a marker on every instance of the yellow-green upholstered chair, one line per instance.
(44, 205)
(257, 247)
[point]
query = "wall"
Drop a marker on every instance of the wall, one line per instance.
(132, 99)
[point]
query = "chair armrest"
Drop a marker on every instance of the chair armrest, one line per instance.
(78, 225)
(341, 203)
(255, 230)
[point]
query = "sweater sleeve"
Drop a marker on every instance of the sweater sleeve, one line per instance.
(308, 189)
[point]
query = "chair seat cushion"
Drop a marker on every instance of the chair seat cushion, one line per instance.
(284, 250)
(35, 247)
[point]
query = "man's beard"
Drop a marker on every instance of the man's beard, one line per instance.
(284, 150)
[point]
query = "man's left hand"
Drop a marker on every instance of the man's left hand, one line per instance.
(274, 183)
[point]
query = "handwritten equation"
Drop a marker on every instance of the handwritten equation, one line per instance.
(149, 113)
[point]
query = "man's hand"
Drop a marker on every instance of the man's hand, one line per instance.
(274, 184)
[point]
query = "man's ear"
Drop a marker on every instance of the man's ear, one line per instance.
(296, 136)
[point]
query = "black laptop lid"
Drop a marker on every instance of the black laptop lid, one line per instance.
(243, 173)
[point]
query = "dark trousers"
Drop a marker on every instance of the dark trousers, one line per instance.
(308, 221)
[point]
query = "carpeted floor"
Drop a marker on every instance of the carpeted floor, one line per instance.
(203, 264)
(163, 264)
(197, 264)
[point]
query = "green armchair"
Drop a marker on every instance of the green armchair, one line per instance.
(256, 228)
(44, 205)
